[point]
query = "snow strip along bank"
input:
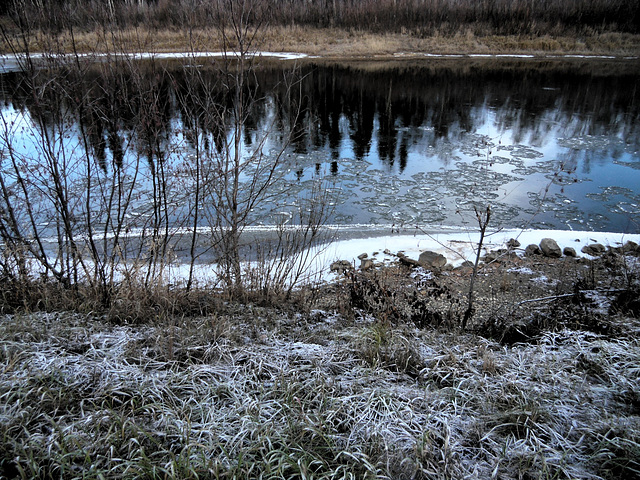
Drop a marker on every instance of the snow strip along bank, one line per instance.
(460, 246)
(456, 247)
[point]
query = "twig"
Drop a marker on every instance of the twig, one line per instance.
(483, 222)
(544, 299)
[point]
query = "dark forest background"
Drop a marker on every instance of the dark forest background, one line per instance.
(416, 17)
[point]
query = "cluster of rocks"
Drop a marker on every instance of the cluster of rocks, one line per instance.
(429, 260)
(436, 262)
(548, 247)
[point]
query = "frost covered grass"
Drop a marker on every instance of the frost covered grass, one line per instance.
(366, 377)
(253, 392)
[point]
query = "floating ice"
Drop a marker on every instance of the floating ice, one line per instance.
(589, 142)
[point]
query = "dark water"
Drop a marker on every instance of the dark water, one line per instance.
(547, 144)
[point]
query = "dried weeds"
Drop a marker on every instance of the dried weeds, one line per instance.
(248, 392)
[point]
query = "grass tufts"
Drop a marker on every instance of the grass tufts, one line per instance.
(249, 391)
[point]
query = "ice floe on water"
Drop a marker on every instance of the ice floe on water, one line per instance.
(563, 183)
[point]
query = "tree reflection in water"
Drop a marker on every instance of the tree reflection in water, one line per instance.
(408, 142)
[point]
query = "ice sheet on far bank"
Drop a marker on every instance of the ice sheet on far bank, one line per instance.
(12, 62)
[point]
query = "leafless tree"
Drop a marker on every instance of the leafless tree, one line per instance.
(107, 174)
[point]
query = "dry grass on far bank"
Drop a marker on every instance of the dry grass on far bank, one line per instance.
(337, 43)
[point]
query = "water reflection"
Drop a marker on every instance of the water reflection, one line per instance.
(407, 144)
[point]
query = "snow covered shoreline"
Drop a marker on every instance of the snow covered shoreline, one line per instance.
(11, 62)
(459, 246)
(456, 245)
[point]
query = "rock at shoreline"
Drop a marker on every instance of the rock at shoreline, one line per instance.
(512, 244)
(595, 249)
(569, 252)
(630, 247)
(366, 263)
(495, 255)
(550, 248)
(341, 266)
(406, 261)
(532, 250)
(432, 260)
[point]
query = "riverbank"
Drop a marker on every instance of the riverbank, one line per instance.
(543, 384)
(348, 44)
(334, 44)
(383, 247)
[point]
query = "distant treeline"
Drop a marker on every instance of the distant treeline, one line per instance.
(417, 17)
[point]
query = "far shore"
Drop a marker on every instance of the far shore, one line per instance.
(340, 44)
(615, 63)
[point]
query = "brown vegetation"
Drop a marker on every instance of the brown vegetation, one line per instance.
(416, 17)
(335, 43)
(362, 383)
(335, 29)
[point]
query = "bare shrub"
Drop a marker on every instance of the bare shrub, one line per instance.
(107, 176)
(383, 296)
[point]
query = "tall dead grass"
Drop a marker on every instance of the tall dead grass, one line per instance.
(343, 43)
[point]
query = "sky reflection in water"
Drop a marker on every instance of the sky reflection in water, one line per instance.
(420, 146)
(546, 145)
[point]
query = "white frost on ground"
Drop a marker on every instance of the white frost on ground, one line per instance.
(544, 280)
(522, 270)
(600, 302)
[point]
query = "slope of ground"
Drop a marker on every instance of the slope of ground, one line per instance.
(371, 379)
